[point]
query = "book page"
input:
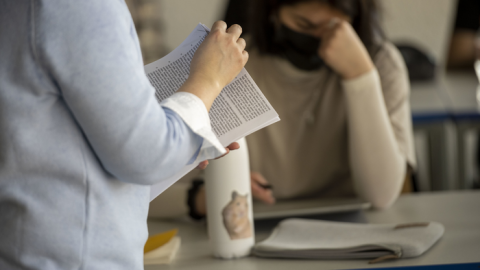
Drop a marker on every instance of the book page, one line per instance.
(239, 110)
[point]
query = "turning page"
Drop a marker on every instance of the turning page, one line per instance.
(239, 110)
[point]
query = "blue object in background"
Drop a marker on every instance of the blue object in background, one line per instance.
(462, 266)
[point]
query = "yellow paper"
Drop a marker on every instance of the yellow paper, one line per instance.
(159, 240)
(164, 254)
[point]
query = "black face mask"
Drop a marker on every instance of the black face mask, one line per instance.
(300, 49)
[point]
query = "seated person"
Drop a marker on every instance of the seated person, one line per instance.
(342, 93)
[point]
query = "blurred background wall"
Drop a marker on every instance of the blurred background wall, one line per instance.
(181, 16)
(427, 23)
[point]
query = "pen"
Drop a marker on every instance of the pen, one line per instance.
(265, 186)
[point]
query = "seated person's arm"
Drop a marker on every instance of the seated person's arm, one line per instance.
(378, 113)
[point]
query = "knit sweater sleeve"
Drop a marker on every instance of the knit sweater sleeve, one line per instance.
(380, 132)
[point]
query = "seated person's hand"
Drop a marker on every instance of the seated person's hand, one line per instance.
(259, 192)
(343, 50)
(257, 181)
(233, 146)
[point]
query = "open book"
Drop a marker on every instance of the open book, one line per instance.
(239, 110)
(315, 239)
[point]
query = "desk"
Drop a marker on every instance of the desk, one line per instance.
(458, 211)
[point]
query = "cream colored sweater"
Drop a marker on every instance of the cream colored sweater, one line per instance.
(335, 137)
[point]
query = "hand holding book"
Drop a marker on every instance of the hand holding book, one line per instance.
(233, 146)
(216, 62)
(239, 109)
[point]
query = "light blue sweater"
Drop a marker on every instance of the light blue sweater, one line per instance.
(81, 137)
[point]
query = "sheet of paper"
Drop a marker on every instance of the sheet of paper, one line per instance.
(239, 110)
(164, 254)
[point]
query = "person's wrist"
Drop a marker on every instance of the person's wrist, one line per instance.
(357, 73)
(361, 70)
(205, 89)
(206, 81)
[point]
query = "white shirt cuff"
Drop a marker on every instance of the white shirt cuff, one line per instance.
(193, 112)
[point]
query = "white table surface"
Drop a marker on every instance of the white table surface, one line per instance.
(458, 211)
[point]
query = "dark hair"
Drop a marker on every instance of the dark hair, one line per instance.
(364, 14)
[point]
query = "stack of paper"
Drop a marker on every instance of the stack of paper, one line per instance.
(314, 239)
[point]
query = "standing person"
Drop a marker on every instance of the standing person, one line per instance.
(82, 135)
(342, 92)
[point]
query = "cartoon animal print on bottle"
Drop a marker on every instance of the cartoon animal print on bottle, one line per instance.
(235, 217)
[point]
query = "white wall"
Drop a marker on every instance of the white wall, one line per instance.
(428, 23)
(181, 17)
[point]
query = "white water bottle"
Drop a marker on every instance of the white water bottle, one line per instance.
(229, 204)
